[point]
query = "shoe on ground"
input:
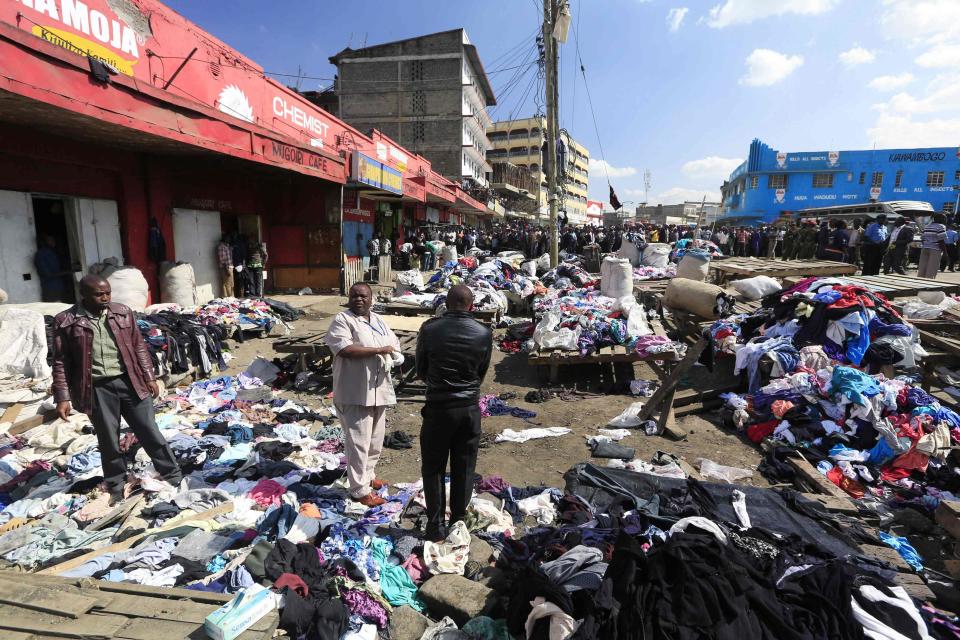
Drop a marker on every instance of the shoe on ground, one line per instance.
(434, 535)
(376, 484)
(371, 500)
(116, 496)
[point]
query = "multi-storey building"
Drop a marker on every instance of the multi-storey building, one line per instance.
(771, 183)
(429, 93)
(522, 142)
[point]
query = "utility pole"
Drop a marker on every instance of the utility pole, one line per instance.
(550, 67)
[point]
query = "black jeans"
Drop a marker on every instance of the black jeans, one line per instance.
(872, 258)
(454, 433)
(113, 398)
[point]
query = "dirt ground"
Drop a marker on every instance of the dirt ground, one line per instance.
(537, 462)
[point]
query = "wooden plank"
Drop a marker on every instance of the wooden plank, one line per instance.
(815, 479)
(144, 629)
(886, 554)
(947, 516)
(173, 522)
(89, 626)
(834, 504)
(38, 598)
(132, 606)
(666, 390)
(110, 588)
(30, 423)
(119, 512)
(11, 412)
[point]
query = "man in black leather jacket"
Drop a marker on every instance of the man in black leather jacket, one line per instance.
(453, 354)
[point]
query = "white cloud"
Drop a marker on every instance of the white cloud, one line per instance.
(857, 55)
(766, 67)
(604, 168)
(940, 56)
(902, 131)
(676, 195)
(892, 82)
(712, 168)
(921, 21)
(675, 17)
(928, 118)
(733, 12)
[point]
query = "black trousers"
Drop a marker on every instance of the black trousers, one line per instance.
(454, 433)
(872, 258)
(113, 398)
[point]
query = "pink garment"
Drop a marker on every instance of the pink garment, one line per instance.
(780, 407)
(416, 569)
(267, 492)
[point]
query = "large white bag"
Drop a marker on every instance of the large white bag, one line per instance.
(529, 267)
(629, 251)
(543, 263)
(616, 277)
(449, 254)
(693, 267)
(179, 285)
(656, 255)
(548, 335)
(129, 287)
(23, 343)
(756, 287)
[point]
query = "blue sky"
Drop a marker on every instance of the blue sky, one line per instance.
(679, 87)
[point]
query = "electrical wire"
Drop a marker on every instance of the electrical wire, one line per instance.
(593, 113)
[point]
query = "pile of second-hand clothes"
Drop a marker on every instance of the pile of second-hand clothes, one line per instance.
(180, 337)
(705, 248)
(581, 319)
(815, 358)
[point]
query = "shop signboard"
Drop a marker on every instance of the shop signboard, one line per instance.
(366, 170)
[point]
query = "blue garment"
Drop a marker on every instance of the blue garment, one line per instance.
(277, 521)
(854, 384)
(239, 433)
(829, 296)
(952, 236)
(881, 453)
(904, 548)
(940, 414)
(876, 233)
(858, 346)
(879, 328)
(81, 463)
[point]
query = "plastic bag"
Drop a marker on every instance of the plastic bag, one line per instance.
(178, 285)
(529, 268)
(129, 288)
(543, 263)
(549, 335)
(628, 419)
(756, 287)
(411, 280)
(616, 277)
(693, 267)
(921, 311)
(710, 469)
(656, 255)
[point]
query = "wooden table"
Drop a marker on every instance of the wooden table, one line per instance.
(749, 267)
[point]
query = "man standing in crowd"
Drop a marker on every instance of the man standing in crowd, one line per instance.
(856, 237)
(790, 242)
(256, 261)
(239, 246)
(453, 354)
(741, 247)
(225, 260)
(874, 245)
(102, 366)
(773, 239)
(933, 245)
(362, 345)
(900, 238)
(952, 250)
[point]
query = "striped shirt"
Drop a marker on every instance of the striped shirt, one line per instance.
(933, 234)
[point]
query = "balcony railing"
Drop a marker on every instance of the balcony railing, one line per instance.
(513, 178)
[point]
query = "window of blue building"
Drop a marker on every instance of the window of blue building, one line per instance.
(863, 176)
(934, 178)
(777, 181)
(877, 180)
(823, 181)
(754, 182)
(898, 179)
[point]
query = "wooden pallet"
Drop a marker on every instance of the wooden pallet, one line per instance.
(48, 607)
(898, 286)
(487, 316)
(736, 268)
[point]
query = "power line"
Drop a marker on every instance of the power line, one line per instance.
(593, 113)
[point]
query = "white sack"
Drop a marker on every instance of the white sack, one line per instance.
(179, 285)
(129, 287)
(656, 255)
(756, 287)
(693, 267)
(616, 277)
(23, 343)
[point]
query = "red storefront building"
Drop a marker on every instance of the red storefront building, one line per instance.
(180, 129)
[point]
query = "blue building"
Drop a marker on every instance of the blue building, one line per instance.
(772, 183)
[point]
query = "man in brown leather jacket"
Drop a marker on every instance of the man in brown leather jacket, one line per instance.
(101, 364)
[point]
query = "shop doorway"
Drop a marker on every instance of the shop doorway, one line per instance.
(56, 247)
(195, 238)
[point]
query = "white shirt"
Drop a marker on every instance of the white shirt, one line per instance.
(361, 381)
